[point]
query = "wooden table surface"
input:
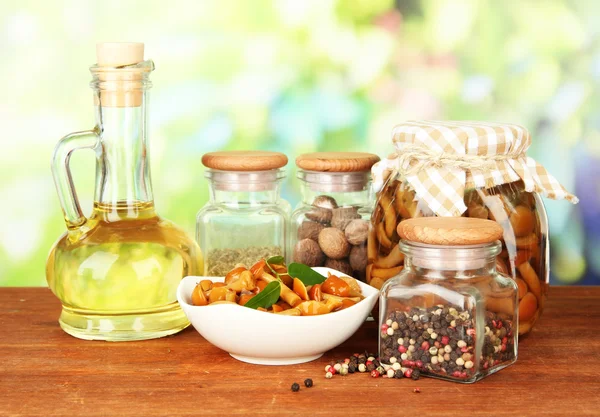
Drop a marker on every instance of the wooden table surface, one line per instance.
(44, 371)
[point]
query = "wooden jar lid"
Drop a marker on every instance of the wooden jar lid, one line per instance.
(244, 160)
(450, 231)
(337, 161)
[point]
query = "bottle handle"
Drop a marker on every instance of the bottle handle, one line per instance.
(63, 180)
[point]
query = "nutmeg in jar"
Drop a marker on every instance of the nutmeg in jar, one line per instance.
(330, 226)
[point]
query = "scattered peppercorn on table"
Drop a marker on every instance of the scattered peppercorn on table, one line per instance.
(44, 371)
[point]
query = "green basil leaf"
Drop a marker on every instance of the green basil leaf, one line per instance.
(305, 273)
(267, 297)
(276, 260)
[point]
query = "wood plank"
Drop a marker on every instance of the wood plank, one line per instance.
(44, 371)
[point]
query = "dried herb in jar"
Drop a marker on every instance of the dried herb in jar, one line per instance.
(220, 261)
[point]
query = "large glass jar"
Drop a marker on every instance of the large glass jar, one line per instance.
(471, 170)
(245, 218)
(449, 314)
(116, 272)
(329, 227)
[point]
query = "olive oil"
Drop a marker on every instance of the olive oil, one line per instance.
(118, 279)
(116, 273)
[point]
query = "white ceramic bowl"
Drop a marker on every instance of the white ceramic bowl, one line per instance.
(270, 339)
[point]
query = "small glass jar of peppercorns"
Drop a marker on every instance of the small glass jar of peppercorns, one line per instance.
(449, 314)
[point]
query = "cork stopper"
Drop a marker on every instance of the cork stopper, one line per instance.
(120, 84)
(244, 160)
(118, 54)
(337, 161)
(450, 231)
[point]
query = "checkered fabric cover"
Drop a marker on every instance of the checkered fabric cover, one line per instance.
(441, 159)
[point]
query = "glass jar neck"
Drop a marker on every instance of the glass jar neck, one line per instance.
(348, 188)
(450, 262)
(249, 188)
(121, 105)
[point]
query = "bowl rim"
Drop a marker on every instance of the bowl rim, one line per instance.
(347, 311)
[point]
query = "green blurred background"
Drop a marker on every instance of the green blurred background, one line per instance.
(298, 76)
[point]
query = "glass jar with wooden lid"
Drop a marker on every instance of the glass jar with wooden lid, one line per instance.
(329, 227)
(449, 313)
(245, 218)
(468, 169)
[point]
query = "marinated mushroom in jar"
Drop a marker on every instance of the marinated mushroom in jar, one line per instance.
(524, 244)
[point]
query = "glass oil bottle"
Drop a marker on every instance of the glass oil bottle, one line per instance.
(116, 273)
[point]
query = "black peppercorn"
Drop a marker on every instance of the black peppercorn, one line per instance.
(371, 367)
(307, 383)
(416, 374)
(295, 387)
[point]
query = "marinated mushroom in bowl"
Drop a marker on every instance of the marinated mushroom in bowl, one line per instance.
(271, 286)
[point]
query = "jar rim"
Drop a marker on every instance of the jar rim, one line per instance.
(335, 176)
(445, 257)
(478, 251)
(248, 176)
(244, 180)
(335, 181)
